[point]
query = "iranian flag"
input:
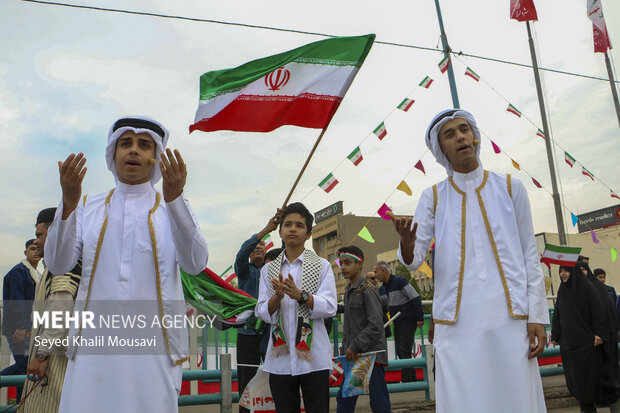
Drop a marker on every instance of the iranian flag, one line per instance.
(540, 133)
(472, 74)
(587, 173)
(380, 131)
(328, 183)
(601, 37)
(569, 159)
(268, 242)
(444, 64)
(301, 87)
(406, 104)
(356, 156)
(426, 83)
(513, 110)
(229, 274)
(554, 254)
(613, 194)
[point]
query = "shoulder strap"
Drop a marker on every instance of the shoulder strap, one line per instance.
(434, 199)
(509, 184)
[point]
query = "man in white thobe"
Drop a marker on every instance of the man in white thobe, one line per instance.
(489, 304)
(131, 241)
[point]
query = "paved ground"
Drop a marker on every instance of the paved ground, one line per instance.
(557, 398)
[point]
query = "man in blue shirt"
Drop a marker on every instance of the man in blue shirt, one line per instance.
(249, 261)
(403, 298)
(17, 295)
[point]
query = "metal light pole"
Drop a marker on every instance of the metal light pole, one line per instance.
(446, 53)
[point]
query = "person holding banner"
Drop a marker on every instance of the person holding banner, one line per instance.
(248, 263)
(363, 330)
(489, 304)
(297, 290)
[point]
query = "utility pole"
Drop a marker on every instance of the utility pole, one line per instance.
(446, 53)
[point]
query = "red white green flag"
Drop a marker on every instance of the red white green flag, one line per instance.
(380, 131)
(513, 110)
(601, 36)
(301, 87)
(426, 82)
(355, 156)
(540, 133)
(229, 274)
(523, 10)
(406, 104)
(554, 254)
(614, 195)
(328, 183)
(587, 173)
(472, 74)
(444, 64)
(268, 242)
(569, 159)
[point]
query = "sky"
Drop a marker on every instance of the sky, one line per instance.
(67, 74)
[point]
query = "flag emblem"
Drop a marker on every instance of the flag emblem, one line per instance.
(355, 156)
(426, 82)
(277, 79)
(328, 183)
(380, 131)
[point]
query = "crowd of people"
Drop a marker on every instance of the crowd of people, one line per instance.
(489, 305)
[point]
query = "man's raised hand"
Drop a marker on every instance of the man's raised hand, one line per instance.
(72, 172)
(402, 225)
(174, 174)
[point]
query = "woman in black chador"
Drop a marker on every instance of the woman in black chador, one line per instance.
(587, 337)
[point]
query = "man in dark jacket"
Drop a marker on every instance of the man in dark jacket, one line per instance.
(17, 295)
(403, 298)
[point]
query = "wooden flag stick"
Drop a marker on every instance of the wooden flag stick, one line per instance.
(303, 169)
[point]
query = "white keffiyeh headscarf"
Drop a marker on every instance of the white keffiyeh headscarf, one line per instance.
(432, 138)
(137, 124)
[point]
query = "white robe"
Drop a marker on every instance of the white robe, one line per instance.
(126, 271)
(481, 351)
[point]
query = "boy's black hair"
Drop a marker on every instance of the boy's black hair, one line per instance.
(298, 208)
(353, 250)
(599, 271)
(30, 241)
(273, 253)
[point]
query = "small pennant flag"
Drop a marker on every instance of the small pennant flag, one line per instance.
(365, 235)
(405, 188)
(229, 274)
(594, 238)
(516, 165)
(569, 159)
(472, 74)
(523, 10)
(614, 254)
(540, 133)
(444, 64)
(420, 166)
(587, 173)
(538, 185)
(614, 195)
(380, 131)
(554, 254)
(513, 110)
(383, 212)
(355, 156)
(426, 269)
(406, 104)
(426, 83)
(268, 242)
(574, 218)
(328, 183)
(496, 148)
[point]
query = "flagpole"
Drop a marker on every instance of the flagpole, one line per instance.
(612, 83)
(303, 169)
(446, 53)
(543, 114)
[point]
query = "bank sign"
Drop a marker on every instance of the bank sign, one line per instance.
(599, 219)
(328, 212)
